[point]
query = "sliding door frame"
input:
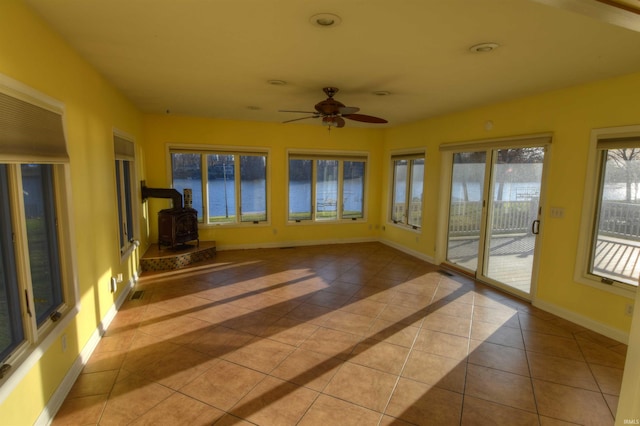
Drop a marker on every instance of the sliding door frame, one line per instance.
(446, 175)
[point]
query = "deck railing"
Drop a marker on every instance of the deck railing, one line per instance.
(617, 219)
(620, 219)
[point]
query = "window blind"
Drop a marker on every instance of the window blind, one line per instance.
(510, 142)
(618, 142)
(30, 133)
(124, 149)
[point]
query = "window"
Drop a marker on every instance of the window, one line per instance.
(614, 248)
(326, 187)
(228, 187)
(124, 167)
(407, 187)
(37, 292)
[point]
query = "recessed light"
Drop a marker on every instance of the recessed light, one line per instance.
(484, 47)
(325, 20)
(253, 108)
(381, 93)
(277, 82)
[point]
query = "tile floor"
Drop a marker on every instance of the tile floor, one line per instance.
(354, 334)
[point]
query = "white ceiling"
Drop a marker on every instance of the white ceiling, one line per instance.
(213, 58)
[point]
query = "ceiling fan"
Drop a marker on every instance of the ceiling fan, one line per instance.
(333, 112)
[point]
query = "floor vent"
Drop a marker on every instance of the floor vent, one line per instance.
(443, 272)
(137, 295)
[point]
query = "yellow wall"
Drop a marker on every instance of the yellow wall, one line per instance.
(32, 54)
(570, 115)
(277, 138)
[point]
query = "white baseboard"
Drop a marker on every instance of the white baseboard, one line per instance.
(58, 397)
(612, 333)
(299, 243)
(408, 251)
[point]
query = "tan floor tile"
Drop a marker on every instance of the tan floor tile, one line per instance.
(422, 404)
(99, 383)
(561, 347)
(533, 323)
(403, 315)
(443, 372)
(443, 344)
(362, 386)
(219, 341)
(453, 309)
(130, 398)
(380, 355)
(447, 324)
(331, 342)
(290, 331)
(274, 401)
(179, 409)
(595, 353)
(609, 378)
(331, 411)
(369, 308)
(571, 404)
(478, 412)
(310, 313)
(328, 299)
(507, 316)
(260, 354)
(393, 421)
(305, 368)
(253, 323)
(496, 333)
(548, 421)
(104, 361)
(223, 386)
(348, 322)
(501, 387)
(394, 333)
(562, 371)
(500, 357)
(80, 411)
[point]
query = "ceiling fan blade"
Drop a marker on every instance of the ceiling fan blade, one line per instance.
(364, 118)
(303, 112)
(298, 119)
(348, 110)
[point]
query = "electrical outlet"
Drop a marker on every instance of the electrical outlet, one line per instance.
(119, 278)
(113, 284)
(628, 309)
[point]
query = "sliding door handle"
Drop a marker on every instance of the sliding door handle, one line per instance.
(535, 227)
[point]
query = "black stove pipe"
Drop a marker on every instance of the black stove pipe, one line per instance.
(172, 193)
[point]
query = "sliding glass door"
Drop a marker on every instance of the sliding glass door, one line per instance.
(494, 214)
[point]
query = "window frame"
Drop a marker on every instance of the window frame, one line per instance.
(341, 157)
(37, 339)
(590, 213)
(126, 202)
(237, 151)
(409, 156)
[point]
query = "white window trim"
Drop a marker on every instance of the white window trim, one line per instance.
(222, 149)
(318, 154)
(27, 355)
(581, 274)
(411, 152)
(135, 195)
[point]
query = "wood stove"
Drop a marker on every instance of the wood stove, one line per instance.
(177, 225)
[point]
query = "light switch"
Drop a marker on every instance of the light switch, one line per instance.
(557, 212)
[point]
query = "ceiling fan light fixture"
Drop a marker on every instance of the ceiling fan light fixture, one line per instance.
(381, 93)
(325, 20)
(277, 82)
(484, 47)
